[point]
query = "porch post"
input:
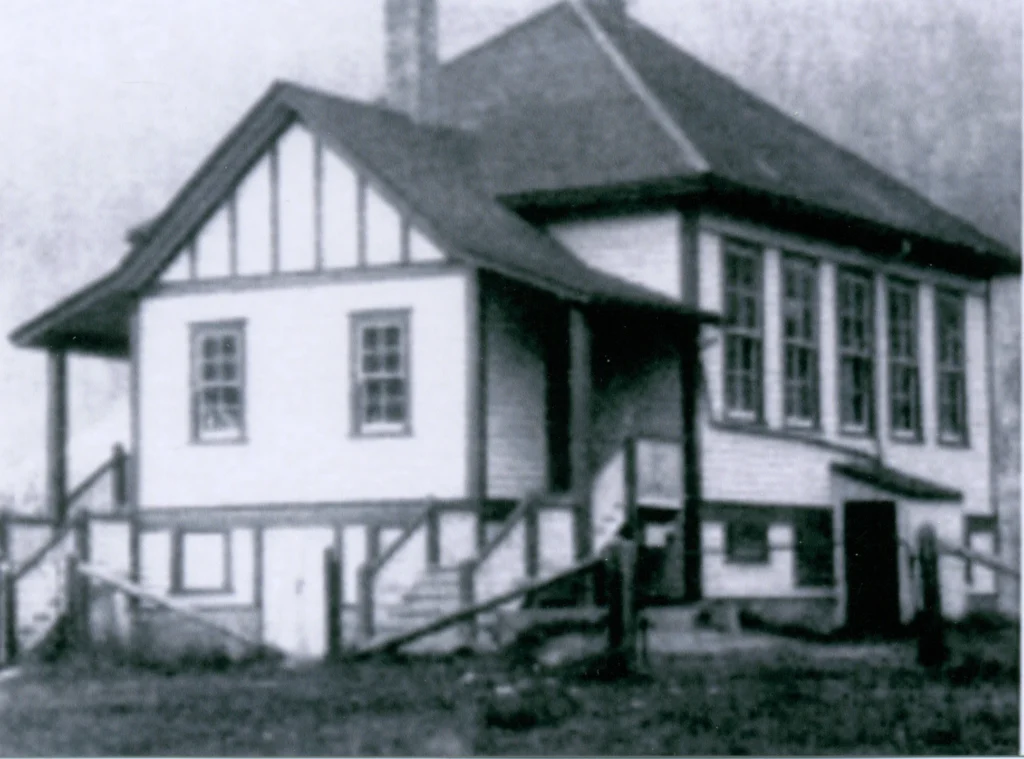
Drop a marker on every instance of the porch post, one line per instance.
(689, 382)
(580, 392)
(56, 433)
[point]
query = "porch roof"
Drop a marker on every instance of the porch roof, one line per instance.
(897, 482)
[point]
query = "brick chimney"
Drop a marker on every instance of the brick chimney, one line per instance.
(410, 32)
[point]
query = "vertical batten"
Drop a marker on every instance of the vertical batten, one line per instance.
(881, 365)
(406, 232)
(772, 336)
(829, 367)
(232, 207)
(255, 234)
(340, 213)
(213, 247)
(361, 222)
(710, 289)
(318, 205)
(926, 352)
(383, 230)
(193, 259)
(275, 210)
(296, 202)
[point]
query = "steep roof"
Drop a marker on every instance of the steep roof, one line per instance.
(656, 114)
(434, 171)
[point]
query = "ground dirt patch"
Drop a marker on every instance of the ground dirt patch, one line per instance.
(762, 702)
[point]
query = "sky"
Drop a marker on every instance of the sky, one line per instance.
(107, 106)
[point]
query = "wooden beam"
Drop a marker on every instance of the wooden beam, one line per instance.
(689, 269)
(580, 399)
(476, 398)
(690, 513)
(56, 434)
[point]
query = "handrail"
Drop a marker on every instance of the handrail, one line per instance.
(518, 514)
(70, 523)
(372, 567)
(979, 558)
(469, 612)
(137, 591)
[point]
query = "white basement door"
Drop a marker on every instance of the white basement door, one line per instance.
(294, 594)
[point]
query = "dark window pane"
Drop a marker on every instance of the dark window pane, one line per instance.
(747, 541)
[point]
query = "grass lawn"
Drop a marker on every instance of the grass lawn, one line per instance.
(799, 700)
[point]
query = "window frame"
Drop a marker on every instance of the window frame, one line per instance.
(744, 334)
(198, 331)
(359, 320)
(749, 523)
(178, 586)
(862, 355)
(945, 296)
(907, 362)
(807, 269)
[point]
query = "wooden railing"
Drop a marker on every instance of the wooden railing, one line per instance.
(33, 592)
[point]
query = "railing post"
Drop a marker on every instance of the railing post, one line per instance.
(931, 645)
(8, 610)
(531, 528)
(73, 594)
(118, 478)
(433, 536)
(332, 584)
(366, 602)
(467, 599)
(631, 485)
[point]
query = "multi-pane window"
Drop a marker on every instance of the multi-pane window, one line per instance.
(800, 340)
(381, 372)
(743, 331)
(856, 350)
(218, 390)
(904, 382)
(952, 363)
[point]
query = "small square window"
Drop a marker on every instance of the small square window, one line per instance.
(746, 541)
(203, 562)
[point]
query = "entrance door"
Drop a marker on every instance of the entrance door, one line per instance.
(872, 567)
(294, 594)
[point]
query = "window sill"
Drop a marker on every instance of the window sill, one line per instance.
(961, 444)
(737, 562)
(381, 434)
(856, 432)
(912, 438)
(240, 440)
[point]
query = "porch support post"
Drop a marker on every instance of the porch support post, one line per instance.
(580, 402)
(476, 400)
(56, 434)
(689, 382)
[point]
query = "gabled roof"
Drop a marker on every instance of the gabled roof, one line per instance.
(897, 482)
(550, 135)
(432, 169)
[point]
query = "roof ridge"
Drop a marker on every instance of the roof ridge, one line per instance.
(624, 67)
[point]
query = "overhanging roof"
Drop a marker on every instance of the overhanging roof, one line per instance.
(897, 482)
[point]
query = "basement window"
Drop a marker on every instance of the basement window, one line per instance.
(202, 562)
(746, 541)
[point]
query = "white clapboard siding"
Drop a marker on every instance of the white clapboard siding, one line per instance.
(252, 201)
(314, 213)
(383, 231)
(297, 215)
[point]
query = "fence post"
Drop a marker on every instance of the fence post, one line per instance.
(332, 582)
(72, 592)
(8, 647)
(621, 584)
(931, 645)
(532, 538)
(366, 602)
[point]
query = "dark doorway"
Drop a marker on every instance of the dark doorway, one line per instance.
(557, 355)
(872, 568)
